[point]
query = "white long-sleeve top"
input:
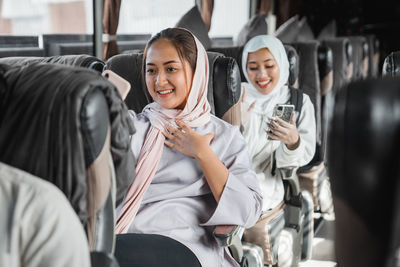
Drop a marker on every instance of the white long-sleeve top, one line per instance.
(38, 226)
(179, 203)
(261, 149)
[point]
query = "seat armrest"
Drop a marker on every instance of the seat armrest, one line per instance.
(230, 236)
(102, 259)
(293, 197)
(289, 175)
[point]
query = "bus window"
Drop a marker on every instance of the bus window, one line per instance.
(26, 17)
(138, 16)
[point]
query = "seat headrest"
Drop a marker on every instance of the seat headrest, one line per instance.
(391, 65)
(294, 63)
(373, 42)
(84, 61)
(363, 158)
(226, 84)
(193, 22)
(223, 86)
(257, 25)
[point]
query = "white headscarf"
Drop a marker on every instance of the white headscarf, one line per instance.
(264, 102)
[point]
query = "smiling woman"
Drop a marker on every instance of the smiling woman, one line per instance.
(193, 169)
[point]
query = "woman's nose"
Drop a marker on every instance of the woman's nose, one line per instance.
(262, 73)
(161, 79)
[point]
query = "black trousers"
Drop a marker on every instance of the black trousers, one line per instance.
(145, 250)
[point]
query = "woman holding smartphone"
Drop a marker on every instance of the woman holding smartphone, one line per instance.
(273, 143)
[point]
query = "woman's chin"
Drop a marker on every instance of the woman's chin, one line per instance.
(264, 91)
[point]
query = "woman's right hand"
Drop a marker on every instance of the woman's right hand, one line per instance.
(245, 112)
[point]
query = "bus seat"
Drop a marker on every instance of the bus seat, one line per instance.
(38, 225)
(315, 70)
(236, 53)
(342, 65)
(364, 166)
(85, 152)
(309, 82)
(288, 31)
(391, 65)
(374, 55)
(325, 69)
(359, 56)
(193, 22)
(84, 61)
(257, 25)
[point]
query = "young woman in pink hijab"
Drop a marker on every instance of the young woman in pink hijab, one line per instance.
(193, 171)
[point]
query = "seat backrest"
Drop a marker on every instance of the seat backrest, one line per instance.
(70, 127)
(85, 61)
(342, 65)
(364, 169)
(325, 69)
(391, 65)
(223, 86)
(374, 54)
(309, 81)
(360, 56)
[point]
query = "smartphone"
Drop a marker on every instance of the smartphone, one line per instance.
(120, 83)
(282, 111)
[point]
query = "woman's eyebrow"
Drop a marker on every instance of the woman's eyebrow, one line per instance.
(170, 61)
(254, 62)
(165, 63)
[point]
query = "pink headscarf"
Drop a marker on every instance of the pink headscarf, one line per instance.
(196, 113)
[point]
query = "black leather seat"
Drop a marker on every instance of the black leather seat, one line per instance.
(391, 65)
(360, 56)
(84, 61)
(364, 166)
(69, 126)
(342, 65)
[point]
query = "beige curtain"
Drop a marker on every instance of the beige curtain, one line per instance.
(207, 7)
(110, 26)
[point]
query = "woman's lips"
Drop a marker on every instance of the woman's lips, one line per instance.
(165, 93)
(263, 84)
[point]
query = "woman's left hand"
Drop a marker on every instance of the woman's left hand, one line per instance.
(187, 141)
(286, 132)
